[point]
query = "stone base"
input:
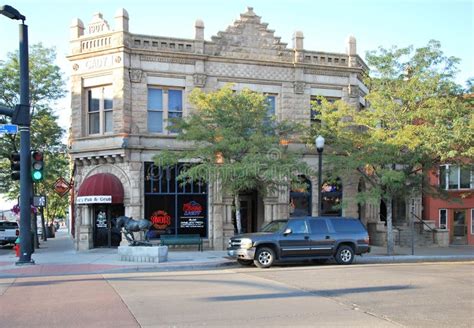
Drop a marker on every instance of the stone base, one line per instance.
(143, 253)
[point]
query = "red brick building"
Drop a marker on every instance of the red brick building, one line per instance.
(457, 211)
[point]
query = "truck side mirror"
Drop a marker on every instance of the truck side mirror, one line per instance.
(287, 231)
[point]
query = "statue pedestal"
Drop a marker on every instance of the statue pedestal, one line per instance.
(153, 254)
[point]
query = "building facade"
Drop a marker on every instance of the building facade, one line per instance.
(126, 86)
(453, 213)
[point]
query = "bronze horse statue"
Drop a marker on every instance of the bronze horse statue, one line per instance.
(129, 225)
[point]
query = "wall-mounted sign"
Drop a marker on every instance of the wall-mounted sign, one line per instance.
(103, 199)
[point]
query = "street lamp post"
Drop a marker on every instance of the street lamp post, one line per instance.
(21, 116)
(320, 147)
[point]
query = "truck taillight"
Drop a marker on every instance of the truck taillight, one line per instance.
(367, 240)
(17, 232)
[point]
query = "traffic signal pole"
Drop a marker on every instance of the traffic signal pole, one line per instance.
(25, 178)
(21, 116)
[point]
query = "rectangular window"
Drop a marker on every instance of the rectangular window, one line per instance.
(442, 177)
(443, 218)
(315, 103)
(452, 177)
(100, 110)
(163, 105)
(472, 221)
(271, 109)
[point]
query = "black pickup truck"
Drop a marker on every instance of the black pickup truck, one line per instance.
(303, 238)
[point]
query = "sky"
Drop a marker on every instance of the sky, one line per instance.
(325, 24)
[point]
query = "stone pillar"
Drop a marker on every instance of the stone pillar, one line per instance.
(76, 29)
(351, 50)
(228, 227)
(121, 20)
(349, 193)
(199, 37)
(298, 46)
(85, 238)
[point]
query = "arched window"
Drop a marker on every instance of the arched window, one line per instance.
(300, 198)
(331, 196)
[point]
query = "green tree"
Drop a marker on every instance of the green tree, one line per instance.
(46, 86)
(415, 119)
(231, 139)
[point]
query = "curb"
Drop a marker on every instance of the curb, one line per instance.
(412, 258)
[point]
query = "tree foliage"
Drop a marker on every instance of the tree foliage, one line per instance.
(415, 118)
(231, 138)
(46, 86)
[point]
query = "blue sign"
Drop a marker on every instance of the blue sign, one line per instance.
(8, 128)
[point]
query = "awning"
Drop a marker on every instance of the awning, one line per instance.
(102, 188)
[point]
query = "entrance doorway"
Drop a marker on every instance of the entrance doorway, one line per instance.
(105, 232)
(459, 231)
(248, 213)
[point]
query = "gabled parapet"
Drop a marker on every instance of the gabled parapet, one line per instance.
(97, 35)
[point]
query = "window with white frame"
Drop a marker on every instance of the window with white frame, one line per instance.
(100, 110)
(443, 218)
(164, 104)
(452, 177)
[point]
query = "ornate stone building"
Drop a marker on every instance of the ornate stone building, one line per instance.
(125, 86)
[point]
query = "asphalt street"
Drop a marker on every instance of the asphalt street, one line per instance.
(370, 295)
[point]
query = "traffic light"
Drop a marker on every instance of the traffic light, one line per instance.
(37, 165)
(15, 165)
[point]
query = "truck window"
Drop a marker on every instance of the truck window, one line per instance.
(318, 226)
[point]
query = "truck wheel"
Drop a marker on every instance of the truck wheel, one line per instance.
(265, 257)
(245, 262)
(344, 255)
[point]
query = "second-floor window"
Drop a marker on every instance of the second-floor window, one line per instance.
(452, 177)
(271, 103)
(100, 110)
(315, 103)
(164, 104)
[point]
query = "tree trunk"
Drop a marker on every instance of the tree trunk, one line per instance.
(390, 243)
(238, 221)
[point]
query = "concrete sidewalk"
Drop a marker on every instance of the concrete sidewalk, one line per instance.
(57, 256)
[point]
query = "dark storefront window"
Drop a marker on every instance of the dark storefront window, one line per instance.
(331, 197)
(300, 198)
(174, 207)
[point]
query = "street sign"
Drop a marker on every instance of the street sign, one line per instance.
(61, 186)
(9, 128)
(39, 201)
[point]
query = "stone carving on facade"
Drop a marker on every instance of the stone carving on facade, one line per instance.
(248, 37)
(326, 72)
(136, 75)
(167, 60)
(200, 80)
(98, 25)
(353, 90)
(299, 87)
